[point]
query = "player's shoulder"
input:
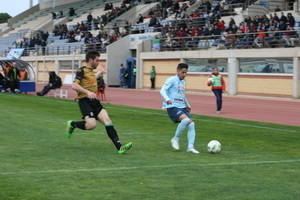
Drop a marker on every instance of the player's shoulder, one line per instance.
(172, 79)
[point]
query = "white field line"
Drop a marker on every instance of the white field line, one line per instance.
(207, 120)
(266, 162)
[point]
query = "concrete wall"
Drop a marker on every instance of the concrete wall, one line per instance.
(237, 83)
(117, 53)
(49, 3)
(166, 62)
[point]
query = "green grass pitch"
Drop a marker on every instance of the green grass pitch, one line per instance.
(259, 161)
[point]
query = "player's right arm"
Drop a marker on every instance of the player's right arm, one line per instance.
(163, 91)
(78, 88)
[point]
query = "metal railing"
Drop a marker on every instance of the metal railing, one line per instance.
(270, 39)
(60, 50)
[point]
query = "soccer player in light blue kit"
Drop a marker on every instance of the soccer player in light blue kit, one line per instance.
(174, 100)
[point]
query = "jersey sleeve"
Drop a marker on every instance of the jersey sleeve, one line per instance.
(78, 76)
(165, 88)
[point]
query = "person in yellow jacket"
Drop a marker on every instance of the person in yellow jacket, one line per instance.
(217, 83)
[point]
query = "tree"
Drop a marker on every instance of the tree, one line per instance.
(4, 17)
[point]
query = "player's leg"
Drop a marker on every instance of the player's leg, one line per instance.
(191, 138)
(177, 115)
(112, 133)
(87, 112)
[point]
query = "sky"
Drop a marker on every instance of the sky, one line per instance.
(14, 7)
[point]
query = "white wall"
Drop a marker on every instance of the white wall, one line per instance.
(48, 3)
(117, 53)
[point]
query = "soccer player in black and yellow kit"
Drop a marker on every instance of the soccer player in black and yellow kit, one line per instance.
(85, 84)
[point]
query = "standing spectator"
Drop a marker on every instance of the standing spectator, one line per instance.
(152, 77)
(122, 76)
(217, 84)
(13, 76)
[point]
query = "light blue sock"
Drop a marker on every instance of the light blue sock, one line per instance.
(180, 128)
(191, 135)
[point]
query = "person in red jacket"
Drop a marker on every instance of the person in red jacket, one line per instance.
(217, 83)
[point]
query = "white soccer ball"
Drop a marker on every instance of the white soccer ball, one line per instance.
(211, 80)
(214, 146)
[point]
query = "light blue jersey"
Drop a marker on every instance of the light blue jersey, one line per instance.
(174, 90)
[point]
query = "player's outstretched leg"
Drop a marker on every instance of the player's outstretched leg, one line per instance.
(191, 138)
(70, 128)
(113, 135)
(180, 128)
(71, 125)
(124, 148)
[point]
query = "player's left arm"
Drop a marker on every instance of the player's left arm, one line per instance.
(188, 105)
(100, 70)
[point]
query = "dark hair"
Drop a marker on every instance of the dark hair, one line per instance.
(91, 55)
(182, 66)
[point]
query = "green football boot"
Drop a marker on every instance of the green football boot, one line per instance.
(70, 128)
(124, 148)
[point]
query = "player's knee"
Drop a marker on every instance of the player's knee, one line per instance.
(90, 125)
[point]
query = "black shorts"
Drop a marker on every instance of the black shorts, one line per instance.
(90, 107)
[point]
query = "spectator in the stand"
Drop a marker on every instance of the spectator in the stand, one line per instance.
(140, 19)
(13, 77)
(61, 14)
(291, 19)
(283, 18)
(54, 83)
(277, 9)
(153, 22)
(71, 12)
(290, 36)
(53, 15)
(90, 18)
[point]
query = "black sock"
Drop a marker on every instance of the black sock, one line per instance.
(79, 124)
(112, 134)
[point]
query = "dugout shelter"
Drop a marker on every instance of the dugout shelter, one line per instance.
(27, 85)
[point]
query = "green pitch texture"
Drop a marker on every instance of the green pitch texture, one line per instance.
(259, 161)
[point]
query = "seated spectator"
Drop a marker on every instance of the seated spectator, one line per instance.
(13, 77)
(53, 15)
(71, 12)
(90, 18)
(23, 74)
(54, 83)
(290, 37)
(277, 9)
(3, 82)
(61, 14)
(141, 19)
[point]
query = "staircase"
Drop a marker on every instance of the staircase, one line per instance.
(263, 7)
